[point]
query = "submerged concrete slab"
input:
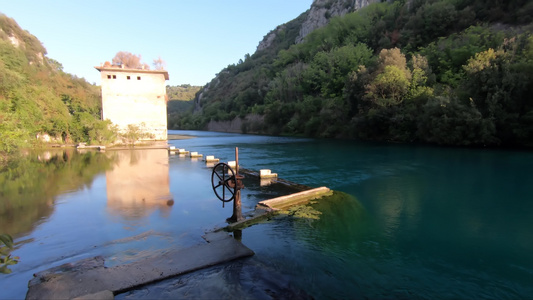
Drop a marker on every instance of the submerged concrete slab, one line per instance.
(267, 208)
(91, 277)
(285, 202)
(103, 295)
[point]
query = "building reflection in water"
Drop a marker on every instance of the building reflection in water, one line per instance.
(139, 183)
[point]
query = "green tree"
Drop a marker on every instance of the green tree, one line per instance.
(500, 85)
(392, 79)
(432, 20)
(329, 71)
(448, 122)
(388, 88)
(420, 78)
(134, 133)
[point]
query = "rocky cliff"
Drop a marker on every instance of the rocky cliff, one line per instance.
(317, 16)
(323, 10)
(21, 39)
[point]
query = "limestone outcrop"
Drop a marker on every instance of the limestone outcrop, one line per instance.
(317, 16)
(269, 38)
(323, 10)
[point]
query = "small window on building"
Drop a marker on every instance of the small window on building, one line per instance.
(108, 76)
(128, 77)
(114, 76)
(138, 77)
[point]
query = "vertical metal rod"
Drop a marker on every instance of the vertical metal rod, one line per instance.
(237, 211)
(236, 160)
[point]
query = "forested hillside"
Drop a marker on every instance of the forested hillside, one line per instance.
(37, 97)
(452, 72)
(180, 101)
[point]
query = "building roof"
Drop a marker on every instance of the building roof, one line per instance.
(115, 69)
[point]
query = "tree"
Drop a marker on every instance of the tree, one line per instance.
(328, 71)
(393, 57)
(134, 133)
(449, 122)
(129, 60)
(392, 79)
(159, 64)
(420, 75)
(389, 87)
(55, 64)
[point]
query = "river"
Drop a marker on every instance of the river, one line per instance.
(418, 222)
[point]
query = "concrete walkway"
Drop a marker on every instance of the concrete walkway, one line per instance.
(91, 279)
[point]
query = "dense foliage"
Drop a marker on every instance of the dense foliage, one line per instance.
(180, 102)
(453, 72)
(37, 97)
(184, 92)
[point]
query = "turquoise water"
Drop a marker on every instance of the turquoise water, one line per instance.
(416, 222)
(425, 222)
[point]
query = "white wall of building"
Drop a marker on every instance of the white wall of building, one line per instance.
(135, 97)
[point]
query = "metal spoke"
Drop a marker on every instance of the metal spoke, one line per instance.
(229, 190)
(218, 176)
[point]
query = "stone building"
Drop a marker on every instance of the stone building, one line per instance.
(135, 96)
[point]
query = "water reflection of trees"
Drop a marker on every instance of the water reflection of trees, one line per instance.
(29, 185)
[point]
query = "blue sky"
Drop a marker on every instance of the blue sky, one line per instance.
(196, 38)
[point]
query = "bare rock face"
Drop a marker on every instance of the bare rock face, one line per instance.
(318, 15)
(323, 10)
(269, 38)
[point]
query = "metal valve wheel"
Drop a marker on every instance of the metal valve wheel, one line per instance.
(223, 182)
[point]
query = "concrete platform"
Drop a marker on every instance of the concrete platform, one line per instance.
(267, 173)
(196, 155)
(267, 208)
(90, 278)
(285, 202)
(211, 159)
